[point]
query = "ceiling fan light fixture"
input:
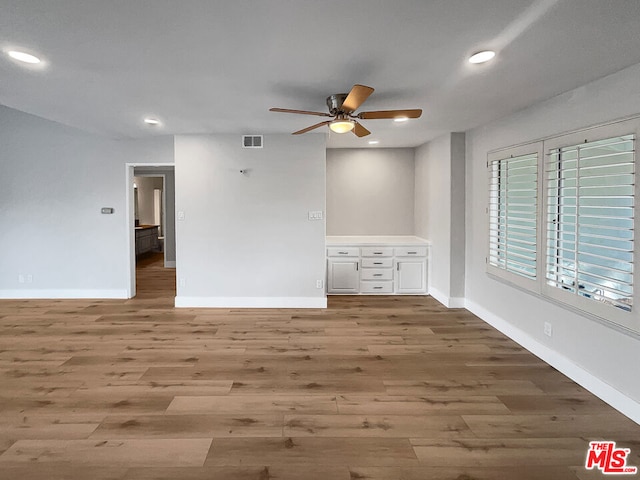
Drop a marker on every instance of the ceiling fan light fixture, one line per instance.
(482, 57)
(342, 126)
(401, 119)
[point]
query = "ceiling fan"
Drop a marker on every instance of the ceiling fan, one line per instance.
(342, 107)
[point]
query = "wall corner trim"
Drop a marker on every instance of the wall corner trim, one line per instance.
(624, 404)
(250, 302)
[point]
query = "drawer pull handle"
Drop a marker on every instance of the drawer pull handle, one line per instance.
(412, 253)
(377, 253)
(377, 274)
(377, 263)
(377, 288)
(343, 253)
(357, 267)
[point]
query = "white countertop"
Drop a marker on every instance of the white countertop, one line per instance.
(375, 240)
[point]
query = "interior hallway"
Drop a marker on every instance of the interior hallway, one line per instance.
(372, 388)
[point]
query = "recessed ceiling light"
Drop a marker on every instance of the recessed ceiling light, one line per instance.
(152, 121)
(374, 142)
(23, 57)
(482, 57)
(401, 119)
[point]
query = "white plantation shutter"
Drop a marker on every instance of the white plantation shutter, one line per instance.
(590, 196)
(513, 224)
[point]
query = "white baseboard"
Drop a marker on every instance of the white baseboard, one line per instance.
(449, 302)
(64, 294)
(625, 405)
(169, 264)
(251, 302)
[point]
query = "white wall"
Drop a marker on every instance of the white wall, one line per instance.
(590, 350)
(53, 182)
(439, 213)
(433, 210)
(246, 239)
(370, 191)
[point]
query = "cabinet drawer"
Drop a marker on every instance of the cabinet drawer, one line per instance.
(385, 262)
(376, 287)
(411, 251)
(343, 252)
(376, 274)
(377, 251)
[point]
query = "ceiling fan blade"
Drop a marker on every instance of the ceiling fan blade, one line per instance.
(312, 127)
(378, 114)
(303, 112)
(360, 131)
(356, 97)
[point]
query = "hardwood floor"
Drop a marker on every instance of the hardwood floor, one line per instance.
(376, 388)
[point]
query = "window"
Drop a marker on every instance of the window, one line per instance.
(513, 212)
(562, 220)
(590, 221)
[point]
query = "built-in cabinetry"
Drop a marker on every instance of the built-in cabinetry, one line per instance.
(146, 239)
(376, 265)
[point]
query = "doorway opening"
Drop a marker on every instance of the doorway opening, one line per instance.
(151, 227)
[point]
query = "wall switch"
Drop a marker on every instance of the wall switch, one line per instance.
(180, 215)
(548, 330)
(21, 278)
(182, 282)
(29, 278)
(319, 284)
(315, 215)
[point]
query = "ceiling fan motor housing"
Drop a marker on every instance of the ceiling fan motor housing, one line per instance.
(334, 102)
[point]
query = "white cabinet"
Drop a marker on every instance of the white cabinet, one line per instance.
(411, 275)
(385, 267)
(377, 269)
(343, 275)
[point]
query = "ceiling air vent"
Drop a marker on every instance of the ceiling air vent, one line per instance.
(252, 141)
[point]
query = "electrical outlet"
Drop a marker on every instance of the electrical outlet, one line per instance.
(548, 330)
(29, 278)
(319, 284)
(182, 282)
(21, 278)
(181, 215)
(315, 215)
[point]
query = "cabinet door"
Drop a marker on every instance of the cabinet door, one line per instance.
(344, 276)
(412, 276)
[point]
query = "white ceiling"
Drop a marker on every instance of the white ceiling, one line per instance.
(217, 66)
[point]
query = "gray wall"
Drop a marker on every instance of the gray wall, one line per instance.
(440, 213)
(370, 191)
(246, 238)
(146, 186)
(53, 182)
(577, 340)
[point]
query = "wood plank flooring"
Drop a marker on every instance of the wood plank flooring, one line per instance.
(376, 388)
